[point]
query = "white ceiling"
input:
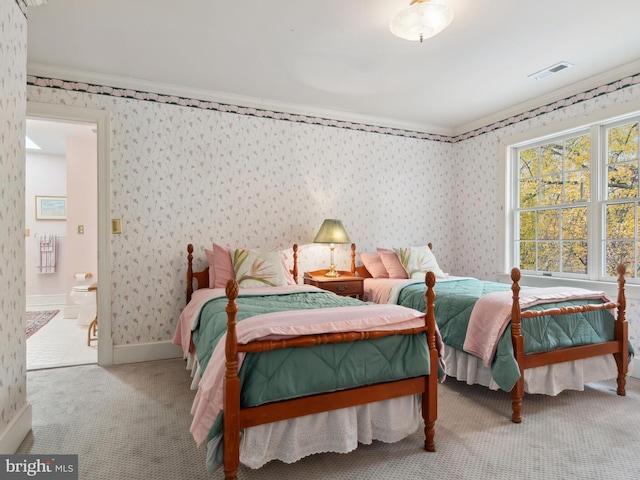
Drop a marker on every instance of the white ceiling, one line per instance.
(51, 136)
(337, 58)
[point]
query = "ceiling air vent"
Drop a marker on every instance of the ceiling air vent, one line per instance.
(558, 67)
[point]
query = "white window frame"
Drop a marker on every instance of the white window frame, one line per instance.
(507, 146)
(514, 198)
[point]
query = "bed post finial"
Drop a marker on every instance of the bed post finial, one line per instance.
(622, 300)
(189, 272)
(294, 270)
(353, 259)
(516, 275)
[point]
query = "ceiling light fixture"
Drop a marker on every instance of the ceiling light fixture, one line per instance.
(422, 19)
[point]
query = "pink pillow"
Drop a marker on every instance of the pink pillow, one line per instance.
(392, 263)
(373, 263)
(212, 270)
(222, 266)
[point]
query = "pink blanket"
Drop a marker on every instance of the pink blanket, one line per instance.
(208, 402)
(492, 313)
(378, 290)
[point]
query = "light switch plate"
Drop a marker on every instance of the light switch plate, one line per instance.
(116, 226)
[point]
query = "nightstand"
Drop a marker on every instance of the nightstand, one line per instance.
(346, 284)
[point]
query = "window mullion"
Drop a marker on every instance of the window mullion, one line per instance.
(595, 210)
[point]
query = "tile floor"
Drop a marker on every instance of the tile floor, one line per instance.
(60, 343)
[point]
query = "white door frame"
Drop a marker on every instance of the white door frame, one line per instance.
(101, 119)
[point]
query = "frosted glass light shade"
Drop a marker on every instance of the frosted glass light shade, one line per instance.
(423, 19)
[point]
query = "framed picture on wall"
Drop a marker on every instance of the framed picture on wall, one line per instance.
(51, 208)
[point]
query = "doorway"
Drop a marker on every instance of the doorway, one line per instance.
(81, 233)
(61, 242)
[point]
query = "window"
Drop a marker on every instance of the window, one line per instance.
(576, 202)
(622, 200)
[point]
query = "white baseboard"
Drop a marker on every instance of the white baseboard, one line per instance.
(42, 300)
(144, 352)
(16, 431)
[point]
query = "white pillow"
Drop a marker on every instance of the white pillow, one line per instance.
(258, 268)
(417, 261)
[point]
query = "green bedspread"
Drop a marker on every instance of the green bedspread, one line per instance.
(455, 300)
(294, 372)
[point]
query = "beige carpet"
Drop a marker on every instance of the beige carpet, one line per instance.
(132, 422)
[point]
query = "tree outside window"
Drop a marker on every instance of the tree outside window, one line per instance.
(555, 195)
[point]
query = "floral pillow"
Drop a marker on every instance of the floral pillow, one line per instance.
(257, 268)
(417, 261)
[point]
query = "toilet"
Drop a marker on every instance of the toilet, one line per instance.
(80, 295)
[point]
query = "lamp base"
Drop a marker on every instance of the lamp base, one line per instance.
(332, 273)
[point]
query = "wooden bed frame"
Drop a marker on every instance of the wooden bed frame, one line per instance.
(619, 346)
(237, 418)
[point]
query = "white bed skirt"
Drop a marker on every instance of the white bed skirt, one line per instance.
(548, 380)
(338, 431)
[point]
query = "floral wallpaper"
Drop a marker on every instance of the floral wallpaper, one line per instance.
(181, 174)
(13, 60)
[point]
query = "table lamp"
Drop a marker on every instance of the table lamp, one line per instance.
(332, 231)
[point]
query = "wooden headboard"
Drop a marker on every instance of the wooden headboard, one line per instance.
(202, 277)
(362, 271)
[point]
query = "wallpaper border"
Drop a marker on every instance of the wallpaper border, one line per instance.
(23, 6)
(553, 106)
(38, 81)
(611, 87)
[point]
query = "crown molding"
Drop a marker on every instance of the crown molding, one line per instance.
(613, 75)
(115, 81)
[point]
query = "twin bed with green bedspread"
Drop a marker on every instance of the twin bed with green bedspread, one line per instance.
(296, 372)
(544, 348)
(454, 303)
(287, 371)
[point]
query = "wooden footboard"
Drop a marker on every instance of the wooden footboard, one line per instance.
(237, 418)
(619, 346)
